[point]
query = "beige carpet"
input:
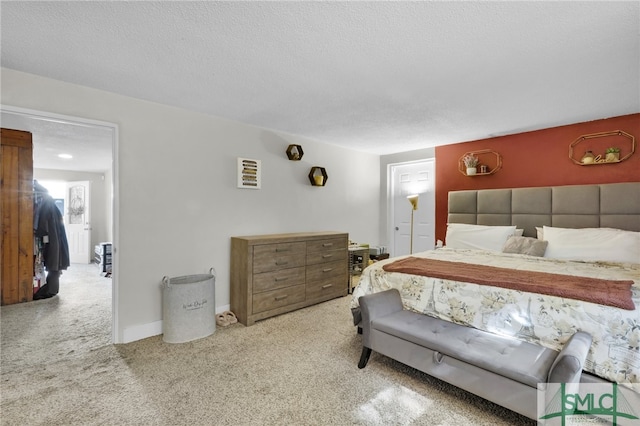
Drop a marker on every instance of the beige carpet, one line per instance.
(58, 368)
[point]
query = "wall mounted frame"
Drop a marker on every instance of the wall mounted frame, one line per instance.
(249, 173)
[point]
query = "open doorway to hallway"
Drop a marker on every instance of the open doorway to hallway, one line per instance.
(92, 146)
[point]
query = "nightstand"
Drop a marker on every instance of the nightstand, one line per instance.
(358, 260)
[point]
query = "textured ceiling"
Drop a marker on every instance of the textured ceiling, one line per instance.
(381, 77)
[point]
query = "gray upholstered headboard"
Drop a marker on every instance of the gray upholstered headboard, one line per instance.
(613, 205)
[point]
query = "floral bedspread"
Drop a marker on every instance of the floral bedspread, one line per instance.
(536, 318)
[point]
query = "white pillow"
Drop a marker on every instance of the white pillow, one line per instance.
(539, 233)
(592, 244)
(479, 237)
(519, 232)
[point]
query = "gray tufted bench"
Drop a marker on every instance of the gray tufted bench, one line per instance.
(503, 370)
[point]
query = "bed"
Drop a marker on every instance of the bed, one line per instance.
(592, 232)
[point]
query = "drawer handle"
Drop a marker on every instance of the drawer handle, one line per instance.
(277, 279)
(327, 244)
(280, 250)
(281, 297)
(327, 285)
(325, 256)
(282, 262)
(327, 270)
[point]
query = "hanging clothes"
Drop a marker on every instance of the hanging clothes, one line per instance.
(49, 229)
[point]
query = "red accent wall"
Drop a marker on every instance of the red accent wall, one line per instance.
(538, 158)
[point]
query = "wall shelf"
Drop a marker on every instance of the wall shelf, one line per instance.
(295, 152)
(318, 176)
(484, 155)
(626, 138)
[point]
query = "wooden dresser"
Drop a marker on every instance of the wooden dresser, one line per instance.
(278, 273)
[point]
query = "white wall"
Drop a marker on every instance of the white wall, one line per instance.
(178, 202)
(100, 199)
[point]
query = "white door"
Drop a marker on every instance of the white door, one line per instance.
(77, 221)
(415, 178)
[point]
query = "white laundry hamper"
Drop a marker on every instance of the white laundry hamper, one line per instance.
(188, 307)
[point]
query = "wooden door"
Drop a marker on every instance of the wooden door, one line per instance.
(77, 221)
(16, 204)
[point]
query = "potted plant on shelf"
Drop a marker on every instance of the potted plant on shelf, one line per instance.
(471, 162)
(612, 154)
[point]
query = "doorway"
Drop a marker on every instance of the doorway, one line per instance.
(76, 214)
(43, 122)
(412, 230)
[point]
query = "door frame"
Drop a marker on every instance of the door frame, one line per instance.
(391, 235)
(115, 219)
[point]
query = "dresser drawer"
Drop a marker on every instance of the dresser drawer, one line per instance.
(327, 288)
(326, 245)
(324, 271)
(278, 279)
(272, 257)
(326, 257)
(278, 298)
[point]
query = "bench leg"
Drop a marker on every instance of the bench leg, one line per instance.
(364, 358)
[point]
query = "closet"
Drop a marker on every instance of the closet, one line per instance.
(16, 207)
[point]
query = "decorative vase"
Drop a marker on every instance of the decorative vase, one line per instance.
(611, 157)
(471, 171)
(588, 158)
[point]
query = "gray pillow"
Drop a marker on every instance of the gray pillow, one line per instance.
(525, 245)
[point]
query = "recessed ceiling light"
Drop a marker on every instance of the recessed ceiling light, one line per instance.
(66, 156)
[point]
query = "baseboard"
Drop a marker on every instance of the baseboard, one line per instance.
(139, 332)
